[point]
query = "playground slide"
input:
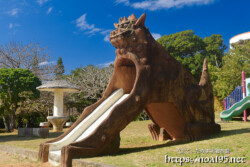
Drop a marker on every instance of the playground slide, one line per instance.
(87, 126)
(236, 109)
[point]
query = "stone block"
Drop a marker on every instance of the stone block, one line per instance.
(41, 132)
(21, 132)
(29, 132)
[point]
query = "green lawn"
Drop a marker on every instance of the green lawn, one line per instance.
(137, 148)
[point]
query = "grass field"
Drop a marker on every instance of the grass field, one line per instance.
(138, 149)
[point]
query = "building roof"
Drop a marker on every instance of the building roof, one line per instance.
(242, 36)
(58, 84)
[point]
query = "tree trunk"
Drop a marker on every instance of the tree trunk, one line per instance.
(13, 116)
(13, 120)
(6, 121)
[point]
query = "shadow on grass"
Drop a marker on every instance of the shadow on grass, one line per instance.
(122, 151)
(15, 137)
(223, 133)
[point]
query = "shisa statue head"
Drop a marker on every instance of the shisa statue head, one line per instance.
(129, 31)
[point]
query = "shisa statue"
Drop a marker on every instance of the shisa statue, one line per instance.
(180, 108)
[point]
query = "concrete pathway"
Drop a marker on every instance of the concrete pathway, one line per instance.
(14, 161)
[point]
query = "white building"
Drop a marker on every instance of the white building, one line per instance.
(237, 38)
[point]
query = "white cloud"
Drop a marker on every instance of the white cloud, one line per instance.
(163, 4)
(156, 36)
(106, 38)
(105, 32)
(90, 29)
(105, 64)
(12, 25)
(13, 12)
(94, 30)
(82, 23)
(46, 63)
(49, 10)
(41, 2)
(125, 2)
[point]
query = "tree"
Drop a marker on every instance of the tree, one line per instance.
(92, 82)
(229, 76)
(59, 69)
(190, 50)
(36, 59)
(214, 49)
(16, 85)
(31, 57)
(41, 105)
(35, 66)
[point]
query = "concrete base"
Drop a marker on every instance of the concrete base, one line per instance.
(55, 158)
(33, 156)
(57, 122)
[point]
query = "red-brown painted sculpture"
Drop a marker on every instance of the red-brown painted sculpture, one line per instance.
(180, 109)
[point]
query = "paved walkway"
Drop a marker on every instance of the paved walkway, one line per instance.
(13, 161)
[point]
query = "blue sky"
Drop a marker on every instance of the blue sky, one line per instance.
(78, 30)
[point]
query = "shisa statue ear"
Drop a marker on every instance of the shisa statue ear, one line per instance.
(116, 25)
(141, 20)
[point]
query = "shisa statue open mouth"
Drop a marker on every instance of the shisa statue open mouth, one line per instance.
(145, 78)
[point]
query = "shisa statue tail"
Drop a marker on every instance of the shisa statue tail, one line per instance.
(205, 83)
